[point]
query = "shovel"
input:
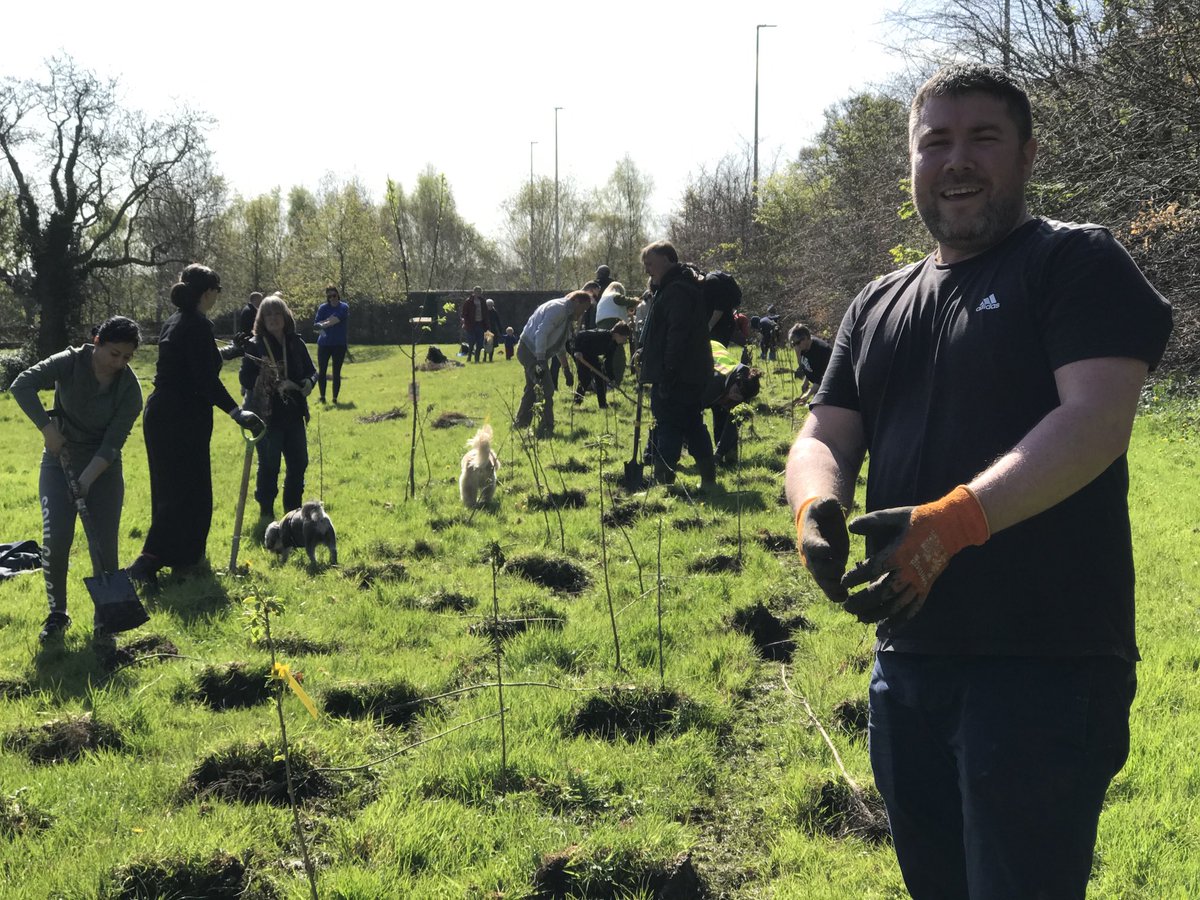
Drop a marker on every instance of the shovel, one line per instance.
(117, 605)
(608, 382)
(251, 439)
(634, 479)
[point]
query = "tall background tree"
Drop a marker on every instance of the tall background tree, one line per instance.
(86, 172)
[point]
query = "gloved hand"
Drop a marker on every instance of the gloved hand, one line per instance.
(540, 371)
(824, 543)
(306, 386)
(247, 419)
(569, 376)
(241, 339)
(917, 543)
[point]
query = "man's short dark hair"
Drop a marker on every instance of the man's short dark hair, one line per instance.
(799, 333)
(622, 328)
(975, 78)
(591, 286)
(662, 248)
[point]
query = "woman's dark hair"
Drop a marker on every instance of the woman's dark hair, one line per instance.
(332, 289)
(622, 328)
(274, 303)
(192, 284)
(119, 330)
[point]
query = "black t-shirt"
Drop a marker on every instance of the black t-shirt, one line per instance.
(245, 318)
(815, 360)
(950, 366)
(594, 343)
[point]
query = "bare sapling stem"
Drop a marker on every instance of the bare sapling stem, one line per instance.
(628, 540)
(499, 673)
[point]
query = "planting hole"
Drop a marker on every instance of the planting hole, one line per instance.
(220, 877)
(237, 685)
(602, 872)
(714, 564)
(64, 740)
(394, 704)
(835, 810)
(155, 646)
(770, 634)
(851, 715)
(394, 413)
(554, 573)
(568, 499)
(452, 419)
(633, 713)
(777, 543)
(256, 774)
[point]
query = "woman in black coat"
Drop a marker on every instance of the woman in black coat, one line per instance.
(178, 426)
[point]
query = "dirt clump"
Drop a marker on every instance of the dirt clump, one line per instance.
(255, 773)
(602, 872)
(834, 809)
(14, 687)
(777, 543)
(366, 574)
(715, 563)
(557, 574)
(446, 601)
(298, 645)
(529, 616)
(220, 877)
(395, 704)
(452, 419)
(154, 646)
(626, 512)
(568, 499)
(64, 740)
(235, 685)
(689, 523)
(571, 465)
(422, 549)
(771, 634)
(19, 817)
(393, 413)
(633, 713)
(851, 716)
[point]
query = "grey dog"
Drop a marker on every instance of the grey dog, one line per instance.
(305, 527)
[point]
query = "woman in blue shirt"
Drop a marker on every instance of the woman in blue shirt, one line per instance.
(330, 320)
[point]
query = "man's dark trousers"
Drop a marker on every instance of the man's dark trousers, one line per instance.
(994, 769)
(679, 419)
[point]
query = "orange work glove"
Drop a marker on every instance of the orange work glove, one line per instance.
(917, 543)
(824, 543)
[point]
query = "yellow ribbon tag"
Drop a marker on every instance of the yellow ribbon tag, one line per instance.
(283, 672)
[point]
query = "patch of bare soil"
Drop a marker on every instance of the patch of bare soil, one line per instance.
(446, 601)
(555, 573)
(19, 817)
(771, 634)
(833, 809)
(776, 543)
(14, 687)
(851, 715)
(422, 549)
(395, 704)
(571, 465)
(64, 740)
(394, 413)
(255, 774)
(505, 627)
(633, 713)
(155, 646)
(714, 564)
(366, 574)
(689, 523)
(452, 420)
(626, 512)
(568, 499)
(237, 685)
(607, 873)
(219, 877)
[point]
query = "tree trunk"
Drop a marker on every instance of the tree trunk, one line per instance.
(57, 287)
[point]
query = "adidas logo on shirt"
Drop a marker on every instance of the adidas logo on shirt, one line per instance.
(989, 302)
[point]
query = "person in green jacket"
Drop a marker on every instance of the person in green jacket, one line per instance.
(97, 398)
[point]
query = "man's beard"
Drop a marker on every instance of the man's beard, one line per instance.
(1000, 215)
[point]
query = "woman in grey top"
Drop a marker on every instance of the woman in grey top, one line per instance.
(97, 398)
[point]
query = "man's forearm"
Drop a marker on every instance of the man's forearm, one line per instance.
(825, 459)
(1068, 448)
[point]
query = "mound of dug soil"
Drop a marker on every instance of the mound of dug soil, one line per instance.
(557, 574)
(777, 543)
(633, 713)
(771, 635)
(394, 704)
(64, 740)
(159, 648)
(601, 872)
(17, 817)
(237, 685)
(529, 616)
(715, 563)
(851, 716)
(366, 574)
(568, 499)
(452, 419)
(220, 877)
(626, 512)
(447, 601)
(14, 687)
(834, 809)
(255, 773)
(393, 413)
(298, 645)
(571, 465)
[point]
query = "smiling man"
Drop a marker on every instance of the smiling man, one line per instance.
(994, 385)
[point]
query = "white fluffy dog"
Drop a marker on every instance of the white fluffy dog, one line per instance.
(477, 483)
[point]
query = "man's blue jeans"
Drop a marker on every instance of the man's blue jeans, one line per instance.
(994, 769)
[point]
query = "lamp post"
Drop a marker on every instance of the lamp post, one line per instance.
(532, 270)
(557, 279)
(754, 184)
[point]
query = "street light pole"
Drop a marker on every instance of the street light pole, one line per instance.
(532, 270)
(754, 184)
(557, 278)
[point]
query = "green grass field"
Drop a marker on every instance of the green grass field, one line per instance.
(730, 788)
